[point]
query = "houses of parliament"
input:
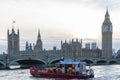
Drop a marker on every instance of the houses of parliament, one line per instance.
(71, 48)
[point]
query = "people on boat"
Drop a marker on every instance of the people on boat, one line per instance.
(67, 69)
(64, 69)
(59, 70)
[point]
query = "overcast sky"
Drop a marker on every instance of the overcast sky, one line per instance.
(58, 20)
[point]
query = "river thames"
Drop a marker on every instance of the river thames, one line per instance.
(102, 72)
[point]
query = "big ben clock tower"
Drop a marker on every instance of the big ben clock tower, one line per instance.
(107, 37)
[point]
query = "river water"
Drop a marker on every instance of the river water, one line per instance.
(102, 72)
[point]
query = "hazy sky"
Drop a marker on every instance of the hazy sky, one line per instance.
(58, 20)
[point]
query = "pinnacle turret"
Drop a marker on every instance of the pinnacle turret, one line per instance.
(13, 31)
(38, 46)
(39, 37)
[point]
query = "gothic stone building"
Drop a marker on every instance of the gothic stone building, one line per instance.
(70, 49)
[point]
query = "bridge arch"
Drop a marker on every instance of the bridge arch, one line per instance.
(112, 62)
(101, 62)
(55, 60)
(25, 62)
(88, 61)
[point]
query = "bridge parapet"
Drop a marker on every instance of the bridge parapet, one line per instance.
(48, 58)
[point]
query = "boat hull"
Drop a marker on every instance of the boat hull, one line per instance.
(43, 74)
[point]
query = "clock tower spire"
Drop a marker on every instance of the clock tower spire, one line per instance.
(107, 36)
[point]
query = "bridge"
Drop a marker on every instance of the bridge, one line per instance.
(47, 59)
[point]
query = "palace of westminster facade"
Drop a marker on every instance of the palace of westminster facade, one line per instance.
(67, 48)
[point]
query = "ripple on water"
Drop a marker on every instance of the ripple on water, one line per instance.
(103, 72)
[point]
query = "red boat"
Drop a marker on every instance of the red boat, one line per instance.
(64, 70)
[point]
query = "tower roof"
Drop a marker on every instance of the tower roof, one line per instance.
(107, 18)
(107, 13)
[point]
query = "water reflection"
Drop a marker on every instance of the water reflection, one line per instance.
(14, 66)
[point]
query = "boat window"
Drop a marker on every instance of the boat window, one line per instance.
(63, 65)
(78, 65)
(81, 66)
(68, 65)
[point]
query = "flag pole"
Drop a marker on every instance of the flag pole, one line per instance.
(13, 22)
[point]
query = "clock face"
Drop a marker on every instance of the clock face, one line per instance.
(105, 28)
(110, 28)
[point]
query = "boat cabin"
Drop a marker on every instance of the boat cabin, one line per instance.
(76, 66)
(65, 70)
